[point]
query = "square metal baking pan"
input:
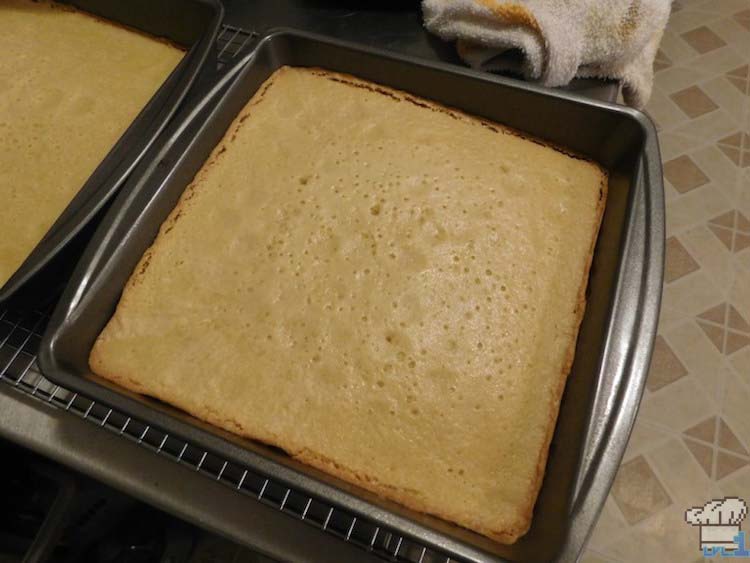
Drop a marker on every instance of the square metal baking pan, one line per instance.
(616, 337)
(192, 24)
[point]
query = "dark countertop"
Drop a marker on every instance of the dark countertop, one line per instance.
(386, 24)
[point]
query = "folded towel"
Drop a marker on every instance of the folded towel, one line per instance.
(558, 39)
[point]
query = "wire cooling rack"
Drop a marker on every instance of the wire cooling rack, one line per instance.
(20, 335)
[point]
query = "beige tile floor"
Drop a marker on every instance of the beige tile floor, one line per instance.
(692, 435)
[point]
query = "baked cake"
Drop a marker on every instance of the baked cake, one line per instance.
(70, 84)
(388, 289)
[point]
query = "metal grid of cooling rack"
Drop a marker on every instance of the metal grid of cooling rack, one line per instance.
(230, 41)
(20, 336)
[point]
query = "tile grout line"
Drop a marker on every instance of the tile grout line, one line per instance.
(678, 434)
(666, 485)
(718, 448)
(673, 496)
(705, 23)
(621, 531)
(714, 323)
(697, 148)
(725, 326)
(714, 449)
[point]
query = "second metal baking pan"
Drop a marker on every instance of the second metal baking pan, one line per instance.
(192, 24)
(614, 345)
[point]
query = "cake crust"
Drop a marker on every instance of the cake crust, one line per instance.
(448, 368)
